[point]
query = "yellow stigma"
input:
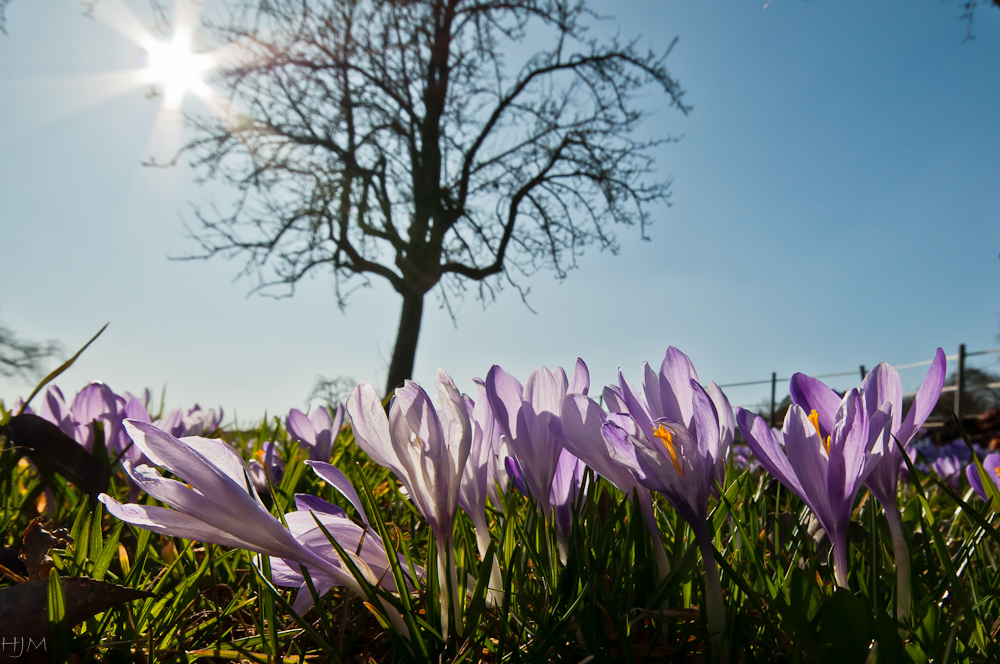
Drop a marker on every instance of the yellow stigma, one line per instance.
(814, 418)
(997, 471)
(668, 442)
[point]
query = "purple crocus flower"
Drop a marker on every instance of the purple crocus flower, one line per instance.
(97, 403)
(427, 449)
(824, 471)
(582, 426)
(198, 421)
(674, 395)
(217, 504)
(674, 438)
(949, 469)
(317, 432)
(266, 468)
(882, 385)
(172, 422)
(481, 478)
(363, 541)
(529, 420)
(55, 409)
(567, 482)
(991, 464)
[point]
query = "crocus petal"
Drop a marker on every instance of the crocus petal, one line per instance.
(580, 382)
(505, 396)
(706, 426)
(305, 502)
(224, 458)
(805, 453)
(882, 384)
(768, 449)
(197, 466)
(169, 522)
(320, 418)
(338, 420)
(613, 399)
(975, 481)
(304, 598)
(173, 423)
(926, 399)
(619, 432)
(300, 427)
(545, 390)
(676, 376)
(339, 481)
(727, 428)
(582, 421)
(371, 427)
(634, 405)
(991, 464)
(812, 394)
(515, 474)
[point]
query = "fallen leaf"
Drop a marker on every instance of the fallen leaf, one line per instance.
(38, 539)
(24, 611)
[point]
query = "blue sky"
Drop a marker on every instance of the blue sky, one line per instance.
(835, 203)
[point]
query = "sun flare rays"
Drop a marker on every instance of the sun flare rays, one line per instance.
(174, 67)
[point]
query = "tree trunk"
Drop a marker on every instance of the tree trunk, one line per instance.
(405, 351)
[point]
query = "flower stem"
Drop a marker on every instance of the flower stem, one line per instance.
(660, 553)
(494, 595)
(902, 554)
(840, 562)
(715, 607)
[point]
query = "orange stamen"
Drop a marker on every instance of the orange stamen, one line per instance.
(668, 442)
(814, 418)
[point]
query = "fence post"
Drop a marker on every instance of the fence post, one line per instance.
(959, 381)
(774, 387)
(863, 372)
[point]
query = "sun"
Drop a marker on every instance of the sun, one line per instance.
(176, 68)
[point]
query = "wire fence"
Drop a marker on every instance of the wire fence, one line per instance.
(958, 388)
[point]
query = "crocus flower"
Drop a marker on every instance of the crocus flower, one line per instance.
(670, 395)
(882, 385)
(217, 504)
(97, 403)
(427, 449)
(172, 423)
(567, 482)
(991, 464)
(529, 420)
(365, 542)
(481, 478)
(317, 432)
(266, 467)
(198, 421)
(949, 469)
(582, 427)
(55, 409)
(824, 470)
(195, 422)
(674, 438)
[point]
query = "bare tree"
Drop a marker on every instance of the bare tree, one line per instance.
(19, 357)
(425, 142)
